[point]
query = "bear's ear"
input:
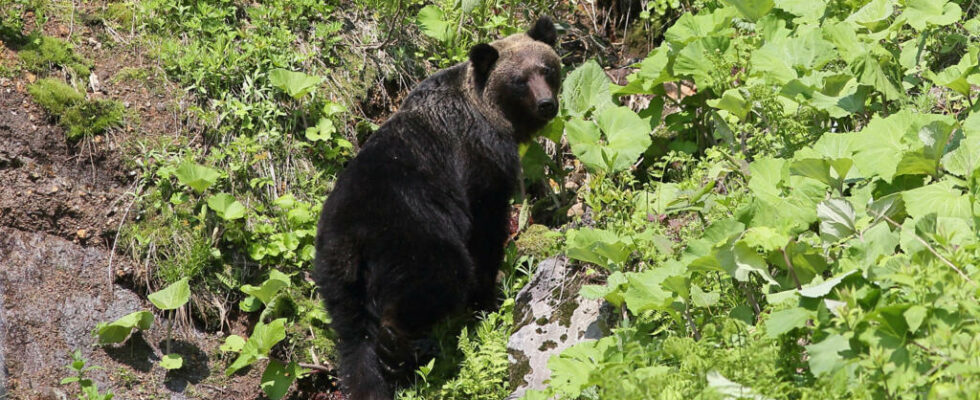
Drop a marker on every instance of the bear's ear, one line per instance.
(483, 56)
(544, 31)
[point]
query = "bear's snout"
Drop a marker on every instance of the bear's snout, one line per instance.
(547, 108)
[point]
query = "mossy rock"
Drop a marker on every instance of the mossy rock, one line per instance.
(54, 95)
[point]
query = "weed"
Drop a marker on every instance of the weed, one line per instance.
(90, 391)
(92, 118)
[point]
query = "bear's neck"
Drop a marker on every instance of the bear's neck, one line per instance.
(477, 95)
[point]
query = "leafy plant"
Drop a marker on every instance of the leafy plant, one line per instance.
(90, 391)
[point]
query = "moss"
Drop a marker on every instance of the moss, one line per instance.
(42, 53)
(519, 369)
(91, 118)
(537, 241)
(54, 95)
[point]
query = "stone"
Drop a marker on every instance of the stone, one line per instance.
(549, 317)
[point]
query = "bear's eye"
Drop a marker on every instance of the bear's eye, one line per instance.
(518, 82)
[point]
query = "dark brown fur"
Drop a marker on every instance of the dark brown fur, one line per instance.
(415, 227)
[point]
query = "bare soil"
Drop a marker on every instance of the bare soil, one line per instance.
(61, 204)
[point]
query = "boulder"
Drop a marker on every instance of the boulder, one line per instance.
(549, 317)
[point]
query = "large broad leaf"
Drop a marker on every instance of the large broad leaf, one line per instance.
(733, 102)
(277, 378)
(117, 331)
(263, 337)
(836, 219)
(941, 198)
(957, 77)
(807, 10)
(226, 206)
(731, 390)
(268, 289)
(171, 297)
(821, 289)
(172, 361)
(586, 88)
(654, 71)
(601, 247)
(627, 135)
(870, 72)
(752, 9)
(690, 27)
(779, 60)
(740, 260)
(646, 291)
(965, 158)
(295, 84)
(433, 23)
(780, 322)
(879, 147)
(873, 14)
(195, 176)
(583, 136)
(698, 59)
(825, 356)
(920, 13)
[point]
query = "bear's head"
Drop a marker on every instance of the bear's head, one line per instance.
(519, 76)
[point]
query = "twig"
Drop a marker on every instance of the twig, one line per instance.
(789, 264)
(116, 240)
(327, 368)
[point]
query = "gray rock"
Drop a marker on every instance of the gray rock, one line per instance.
(549, 317)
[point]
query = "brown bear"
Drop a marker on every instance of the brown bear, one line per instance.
(414, 229)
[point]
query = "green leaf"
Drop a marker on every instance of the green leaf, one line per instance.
(957, 77)
(780, 322)
(171, 297)
(269, 288)
(250, 304)
(697, 59)
(586, 88)
(870, 72)
(920, 13)
(263, 337)
(733, 102)
(583, 136)
(645, 290)
(752, 9)
(941, 198)
(836, 219)
(323, 130)
(233, 343)
(690, 27)
(433, 23)
(891, 206)
(195, 176)
(295, 84)
(914, 317)
(534, 160)
(277, 378)
(654, 71)
(764, 237)
(117, 331)
(628, 135)
(172, 361)
(730, 390)
(701, 298)
(226, 206)
(601, 247)
(873, 13)
(740, 260)
(821, 289)
(965, 158)
(825, 356)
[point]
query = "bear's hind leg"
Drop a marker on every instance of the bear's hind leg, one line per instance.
(361, 371)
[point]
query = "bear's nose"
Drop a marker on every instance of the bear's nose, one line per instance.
(547, 107)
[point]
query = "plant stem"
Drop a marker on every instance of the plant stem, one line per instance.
(789, 265)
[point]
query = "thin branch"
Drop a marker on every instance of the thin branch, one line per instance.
(932, 250)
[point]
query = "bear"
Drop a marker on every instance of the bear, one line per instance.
(415, 227)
